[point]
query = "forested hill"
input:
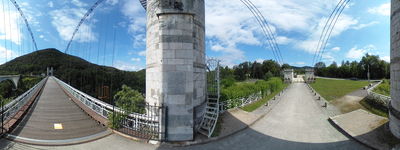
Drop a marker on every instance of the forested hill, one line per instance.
(78, 72)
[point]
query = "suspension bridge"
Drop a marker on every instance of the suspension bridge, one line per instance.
(182, 88)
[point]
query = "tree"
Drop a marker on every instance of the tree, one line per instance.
(129, 100)
(268, 76)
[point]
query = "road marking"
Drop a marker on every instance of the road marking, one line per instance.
(58, 126)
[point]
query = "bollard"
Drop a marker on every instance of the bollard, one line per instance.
(315, 94)
(319, 97)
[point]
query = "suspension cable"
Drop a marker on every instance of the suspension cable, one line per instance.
(330, 32)
(269, 29)
(26, 23)
(263, 29)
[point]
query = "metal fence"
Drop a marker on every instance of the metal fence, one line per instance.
(9, 110)
(141, 120)
(240, 102)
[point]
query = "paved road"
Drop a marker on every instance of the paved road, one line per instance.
(296, 122)
(55, 107)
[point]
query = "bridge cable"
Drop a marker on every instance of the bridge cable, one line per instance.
(26, 23)
(266, 33)
(9, 25)
(87, 14)
(5, 31)
(263, 29)
(323, 46)
(269, 29)
(323, 31)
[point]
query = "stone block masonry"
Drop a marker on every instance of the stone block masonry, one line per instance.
(394, 106)
(175, 63)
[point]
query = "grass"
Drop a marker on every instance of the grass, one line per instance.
(253, 106)
(333, 89)
(374, 108)
(383, 88)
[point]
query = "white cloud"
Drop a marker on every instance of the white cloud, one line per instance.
(9, 27)
(386, 58)
(259, 60)
(136, 17)
(127, 66)
(344, 23)
(284, 40)
(336, 49)
(50, 4)
(65, 20)
(300, 63)
(383, 9)
(327, 57)
(135, 59)
(361, 26)
(41, 36)
(112, 2)
(231, 56)
(79, 3)
(142, 53)
(357, 53)
(6, 55)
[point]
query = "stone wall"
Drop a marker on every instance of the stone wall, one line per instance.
(394, 106)
(175, 63)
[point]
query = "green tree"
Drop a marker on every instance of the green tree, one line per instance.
(130, 100)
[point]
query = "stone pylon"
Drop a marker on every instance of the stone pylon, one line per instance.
(175, 64)
(394, 106)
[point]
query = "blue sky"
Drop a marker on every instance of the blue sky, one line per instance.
(232, 33)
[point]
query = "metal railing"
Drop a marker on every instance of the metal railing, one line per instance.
(378, 98)
(147, 125)
(239, 102)
(9, 110)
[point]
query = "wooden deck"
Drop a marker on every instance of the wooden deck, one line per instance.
(55, 107)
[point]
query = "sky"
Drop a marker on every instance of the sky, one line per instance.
(114, 35)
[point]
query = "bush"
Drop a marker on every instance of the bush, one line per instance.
(245, 89)
(227, 82)
(268, 76)
(115, 120)
(383, 88)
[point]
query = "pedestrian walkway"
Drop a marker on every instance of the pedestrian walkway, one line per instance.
(55, 117)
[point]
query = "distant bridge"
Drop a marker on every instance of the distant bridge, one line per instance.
(13, 78)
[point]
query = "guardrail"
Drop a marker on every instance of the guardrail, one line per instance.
(379, 98)
(150, 121)
(10, 109)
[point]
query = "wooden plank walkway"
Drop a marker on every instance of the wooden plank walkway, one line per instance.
(55, 107)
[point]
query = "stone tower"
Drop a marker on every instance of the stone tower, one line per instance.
(175, 63)
(394, 106)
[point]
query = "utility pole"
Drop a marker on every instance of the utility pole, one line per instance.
(368, 75)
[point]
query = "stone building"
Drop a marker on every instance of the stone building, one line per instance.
(288, 75)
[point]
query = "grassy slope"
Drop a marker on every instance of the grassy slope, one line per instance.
(253, 106)
(332, 89)
(374, 109)
(383, 88)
